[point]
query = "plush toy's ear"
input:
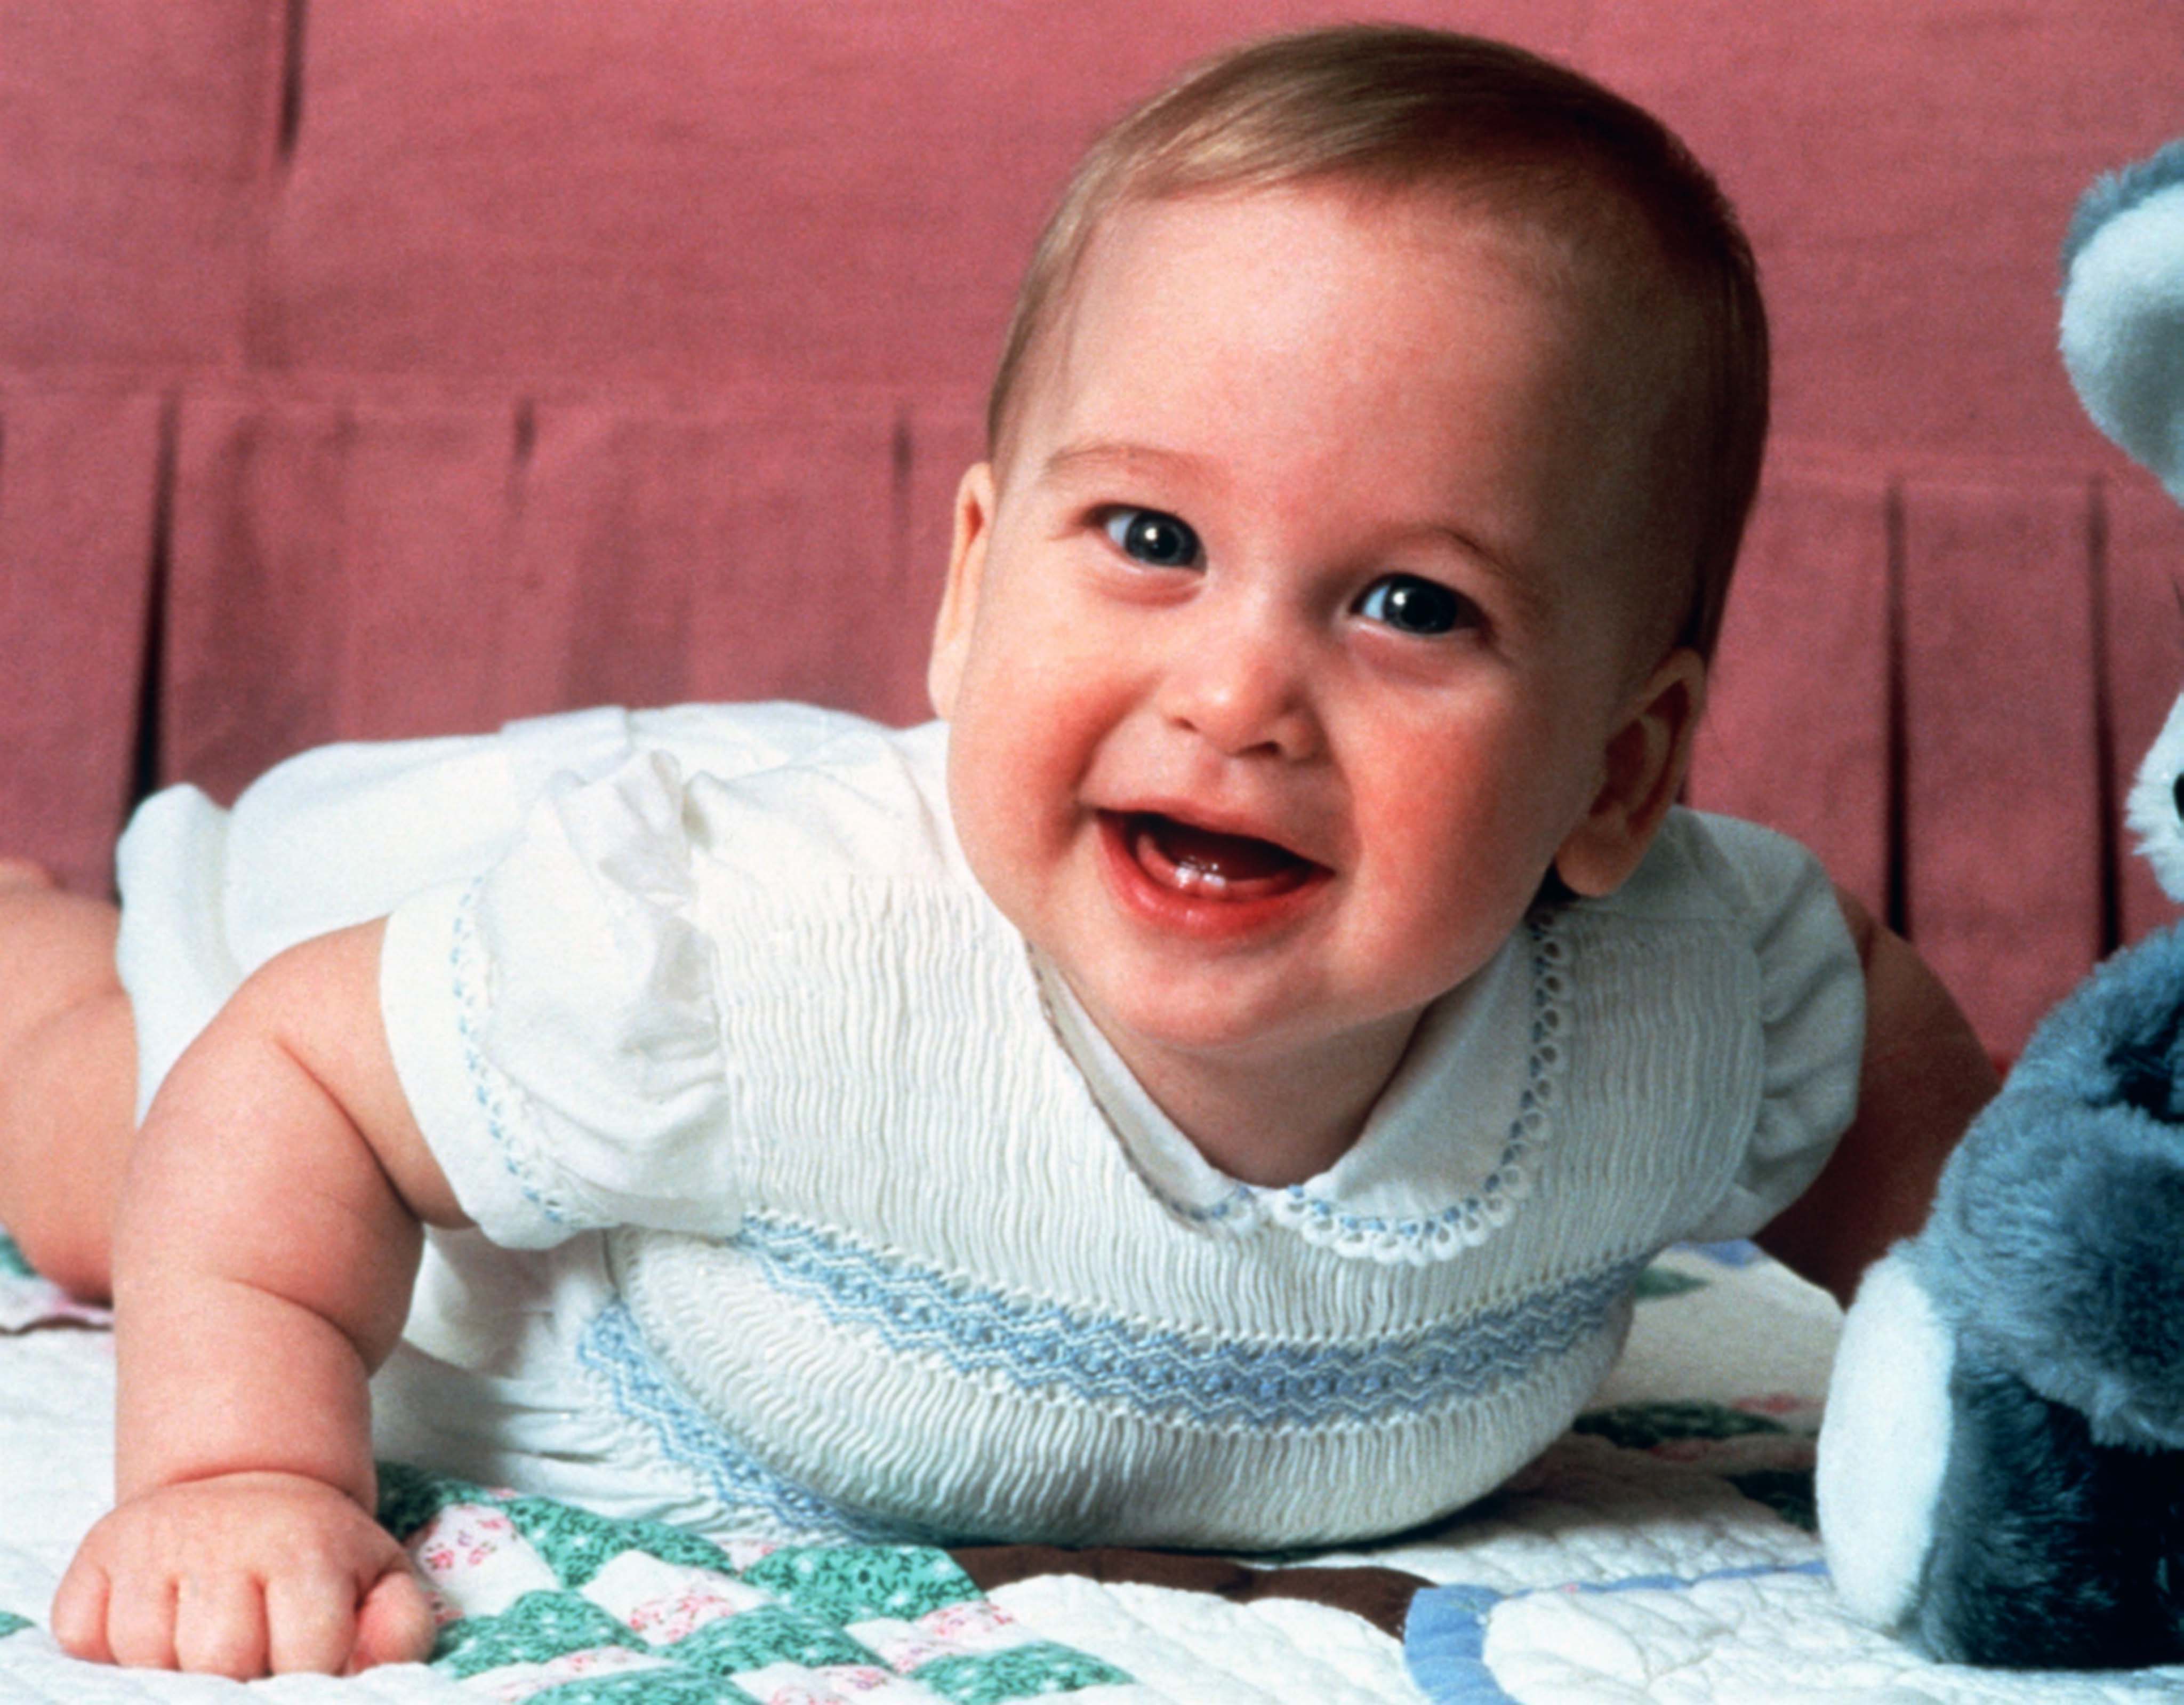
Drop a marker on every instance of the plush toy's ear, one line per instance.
(2122, 341)
(2123, 310)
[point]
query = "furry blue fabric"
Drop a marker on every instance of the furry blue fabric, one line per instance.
(2054, 1254)
(2053, 1258)
(2054, 1245)
(2122, 332)
(2056, 1552)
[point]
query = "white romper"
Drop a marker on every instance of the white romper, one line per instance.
(809, 1203)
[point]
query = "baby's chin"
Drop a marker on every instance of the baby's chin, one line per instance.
(1269, 1018)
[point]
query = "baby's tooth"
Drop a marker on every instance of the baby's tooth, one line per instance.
(1185, 875)
(1197, 879)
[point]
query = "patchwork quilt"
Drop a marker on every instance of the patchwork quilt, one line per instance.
(1663, 1550)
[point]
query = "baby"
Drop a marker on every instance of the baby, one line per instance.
(1216, 1088)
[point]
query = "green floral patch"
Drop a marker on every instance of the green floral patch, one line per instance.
(12, 1264)
(1023, 1671)
(12, 1624)
(577, 1544)
(408, 1497)
(790, 1609)
(1786, 1491)
(774, 1634)
(1642, 1426)
(856, 1582)
(1656, 1282)
(646, 1687)
(538, 1628)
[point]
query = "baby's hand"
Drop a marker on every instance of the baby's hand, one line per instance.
(239, 1575)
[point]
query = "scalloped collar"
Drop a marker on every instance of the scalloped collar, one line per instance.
(1447, 1156)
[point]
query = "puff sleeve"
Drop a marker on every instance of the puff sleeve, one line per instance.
(554, 1022)
(1812, 1016)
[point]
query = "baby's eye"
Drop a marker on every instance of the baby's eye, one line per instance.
(1152, 537)
(1412, 605)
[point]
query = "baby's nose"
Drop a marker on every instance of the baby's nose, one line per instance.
(1244, 689)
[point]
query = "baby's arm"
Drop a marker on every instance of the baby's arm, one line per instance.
(1924, 1075)
(268, 1239)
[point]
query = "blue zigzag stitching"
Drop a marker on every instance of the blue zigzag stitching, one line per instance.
(641, 1390)
(917, 1309)
(506, 1116)
(1469, 1221)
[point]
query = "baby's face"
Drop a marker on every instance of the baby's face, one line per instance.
(1286, 653)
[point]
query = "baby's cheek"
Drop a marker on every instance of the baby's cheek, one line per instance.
(1447, 888)
(1006, 820)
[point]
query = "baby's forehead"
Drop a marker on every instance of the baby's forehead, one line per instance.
(1584, 256)
(1568, 314)
(1158, 284)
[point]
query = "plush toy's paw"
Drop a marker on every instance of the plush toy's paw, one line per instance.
(1979, 1520)
(2123, 311)
(1884, 1443)
(2050, 1552)
(2052, 1248)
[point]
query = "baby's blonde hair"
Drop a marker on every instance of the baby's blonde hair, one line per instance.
(1395, 108)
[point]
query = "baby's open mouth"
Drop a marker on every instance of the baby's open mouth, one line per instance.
(1208, 863)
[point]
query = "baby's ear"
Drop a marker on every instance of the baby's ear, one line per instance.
(1644, 767)
(959, 599)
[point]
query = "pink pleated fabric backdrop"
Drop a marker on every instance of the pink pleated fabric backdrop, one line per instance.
(385, 367)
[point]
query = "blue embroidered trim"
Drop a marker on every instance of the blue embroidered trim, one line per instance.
(1242, 1200)
(1469, 1222)
(643, 1391)
(507, 1118)
(1036, 1345)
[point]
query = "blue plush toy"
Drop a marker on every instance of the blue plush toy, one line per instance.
(2002, 1471)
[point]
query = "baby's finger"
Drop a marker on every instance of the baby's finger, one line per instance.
(310, 1622)
(219, 1626)
(395, 1624)
(79, 1612)
(140, 1620)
